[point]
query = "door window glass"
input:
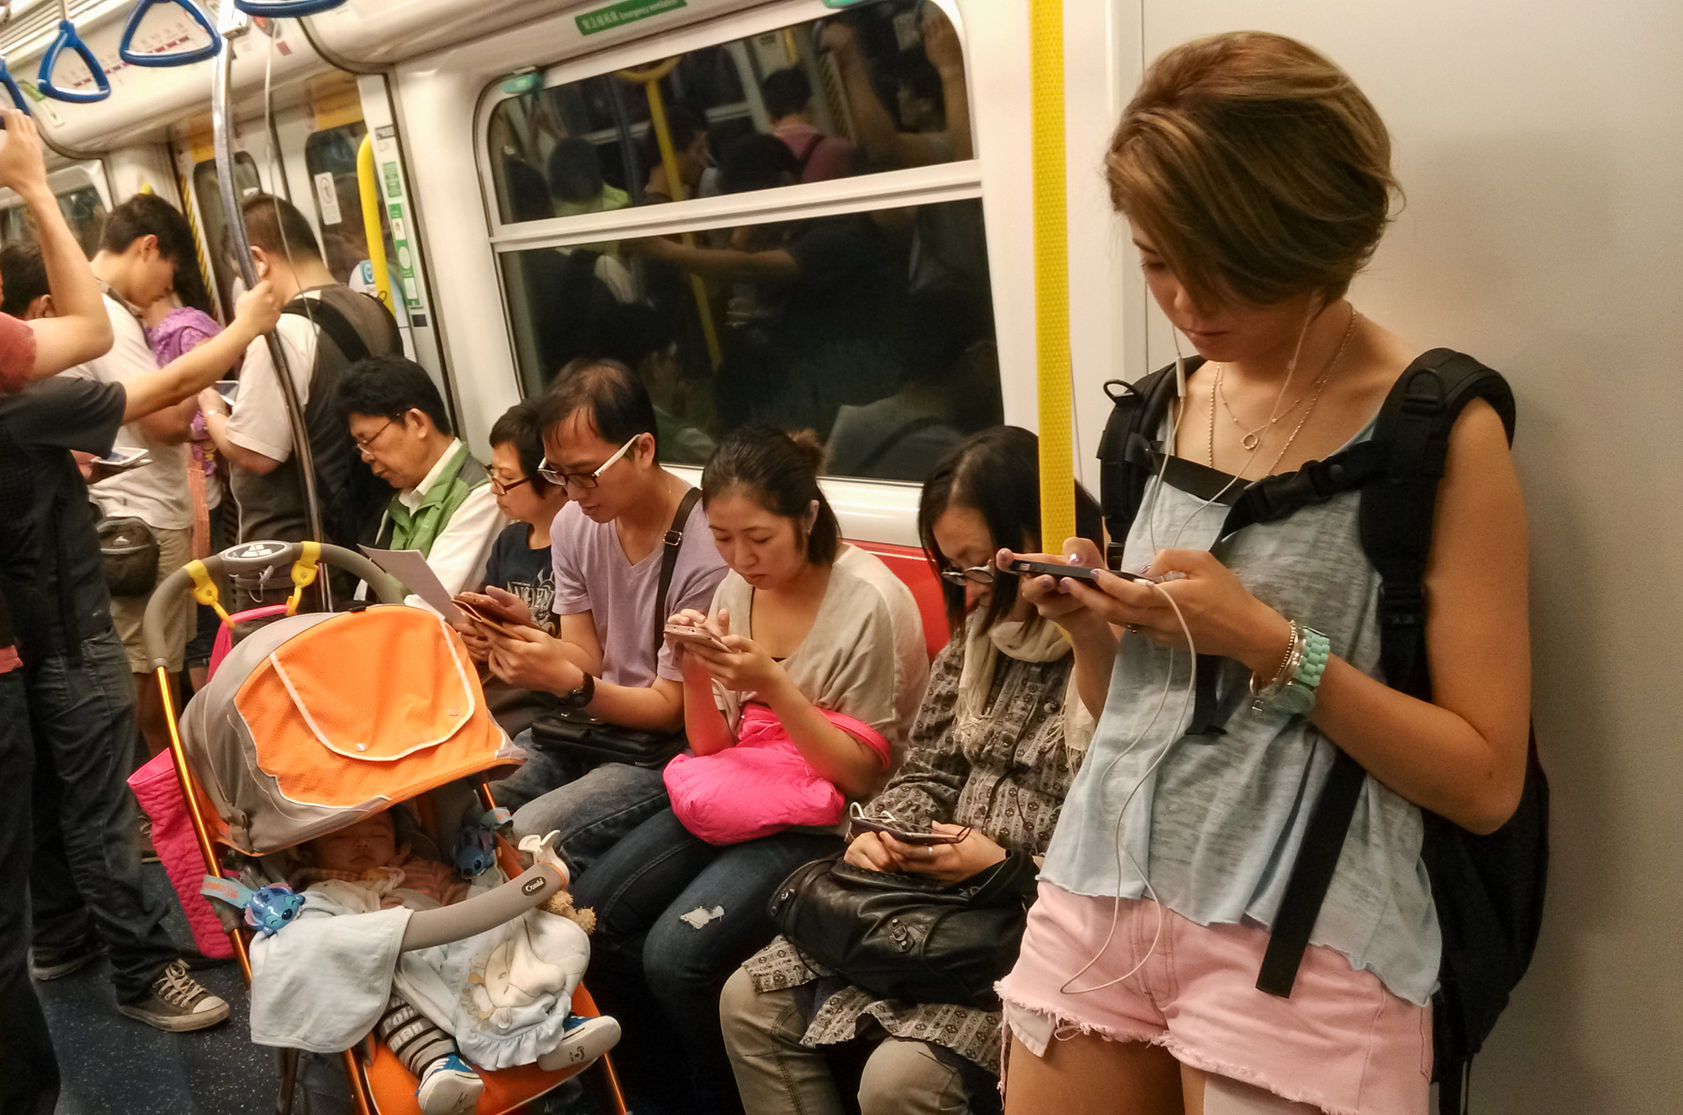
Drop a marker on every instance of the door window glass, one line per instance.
(330, 157)
(208, 192)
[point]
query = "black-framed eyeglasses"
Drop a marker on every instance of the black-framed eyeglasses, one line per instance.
(502, 488)
(975, 575)
(583, 479)
(366, 443)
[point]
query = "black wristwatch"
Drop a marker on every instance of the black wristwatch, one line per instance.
(580, 697)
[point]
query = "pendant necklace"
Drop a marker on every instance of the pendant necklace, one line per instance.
(1314, 397)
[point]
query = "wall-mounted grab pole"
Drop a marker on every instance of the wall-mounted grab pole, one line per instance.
(234, 24)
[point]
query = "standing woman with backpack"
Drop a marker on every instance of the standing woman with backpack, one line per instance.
(1256, 181)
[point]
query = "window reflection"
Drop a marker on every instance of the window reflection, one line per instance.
(330, 158)
(873, 329)
(874, 88)
(207, 191)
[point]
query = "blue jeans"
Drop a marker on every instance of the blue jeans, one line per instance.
(675, 916)
(86, 869)
(592, 808)
(28, 1070)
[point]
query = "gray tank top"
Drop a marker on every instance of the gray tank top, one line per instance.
(1217, 823)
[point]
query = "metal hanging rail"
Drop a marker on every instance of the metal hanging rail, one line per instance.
(235, 24)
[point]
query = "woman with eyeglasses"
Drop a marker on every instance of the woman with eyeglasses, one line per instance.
(994, 747)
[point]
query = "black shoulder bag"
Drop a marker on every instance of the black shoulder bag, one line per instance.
(572, 733)
(908, 937)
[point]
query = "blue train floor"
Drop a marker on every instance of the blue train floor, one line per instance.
(114, 1064)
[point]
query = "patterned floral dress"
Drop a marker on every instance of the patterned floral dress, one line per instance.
(1004, 774)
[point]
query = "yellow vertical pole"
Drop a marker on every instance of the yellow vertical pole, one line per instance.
(1051, 272)
(368, 189)
(650, 81)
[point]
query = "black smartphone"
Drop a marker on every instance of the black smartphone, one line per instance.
(905, 836)
(1028, 567)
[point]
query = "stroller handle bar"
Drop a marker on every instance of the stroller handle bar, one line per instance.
(483, 911)
(199, 578)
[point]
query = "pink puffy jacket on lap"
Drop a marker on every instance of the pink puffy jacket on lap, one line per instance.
(762, 785)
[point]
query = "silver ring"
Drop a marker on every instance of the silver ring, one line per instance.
(929, 850)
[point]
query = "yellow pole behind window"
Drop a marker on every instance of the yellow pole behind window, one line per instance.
(369, 189)
(1051, 273)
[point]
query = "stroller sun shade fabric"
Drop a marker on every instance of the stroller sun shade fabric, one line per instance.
(315, 721)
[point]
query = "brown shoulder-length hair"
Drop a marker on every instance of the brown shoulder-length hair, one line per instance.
(1257, 168)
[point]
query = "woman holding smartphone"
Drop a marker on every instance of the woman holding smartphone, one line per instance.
(1256, 181)
(995, 745)
(800, 707)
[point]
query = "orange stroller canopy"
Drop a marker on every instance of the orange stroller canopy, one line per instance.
(315, 721)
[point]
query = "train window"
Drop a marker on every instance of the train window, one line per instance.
(208, 193)
(330, 157)
(873, 329)
(84, 212)
(878, 87)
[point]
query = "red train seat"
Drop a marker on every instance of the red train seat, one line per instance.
(911, 566)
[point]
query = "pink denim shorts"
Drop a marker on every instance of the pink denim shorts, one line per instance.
(1342, 1042)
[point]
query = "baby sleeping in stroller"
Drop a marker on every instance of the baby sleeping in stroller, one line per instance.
(498, 998)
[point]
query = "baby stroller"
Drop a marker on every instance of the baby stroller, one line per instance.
(315, 722)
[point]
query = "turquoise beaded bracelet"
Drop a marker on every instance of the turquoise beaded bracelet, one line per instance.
(1297, 696)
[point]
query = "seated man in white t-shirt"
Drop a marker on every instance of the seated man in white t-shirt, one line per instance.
(609, 660)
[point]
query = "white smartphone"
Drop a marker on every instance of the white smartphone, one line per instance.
(122, 458)
(227, 387)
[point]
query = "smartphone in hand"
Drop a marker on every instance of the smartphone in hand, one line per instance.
(1028, 567)
(906, 834)
(698, 635)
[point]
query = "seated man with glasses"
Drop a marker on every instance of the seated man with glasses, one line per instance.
(610, 660)
(444, 506)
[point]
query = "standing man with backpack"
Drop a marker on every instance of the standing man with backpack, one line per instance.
(325, 328)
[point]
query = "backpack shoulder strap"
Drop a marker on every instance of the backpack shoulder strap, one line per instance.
(332, 321)
(673, 542)
(1395, 515)
(1126, 451)
(1398, 506)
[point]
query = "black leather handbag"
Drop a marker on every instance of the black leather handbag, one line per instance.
(908, 937)
(575, 735)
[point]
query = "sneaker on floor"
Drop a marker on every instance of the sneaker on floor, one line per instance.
(177, 1002)
(50, 962)
(583, 1040)
(449, 1086)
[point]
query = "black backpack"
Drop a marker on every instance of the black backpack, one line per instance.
(1488, 889)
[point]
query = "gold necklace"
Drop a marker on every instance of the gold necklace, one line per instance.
(1251, 437)
(1315, 397)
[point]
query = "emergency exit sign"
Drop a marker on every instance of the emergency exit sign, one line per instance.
(626, 11)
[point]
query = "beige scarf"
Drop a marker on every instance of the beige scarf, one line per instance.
(1034, 639)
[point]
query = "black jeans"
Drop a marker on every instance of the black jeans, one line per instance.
(28, 1070)
(86, 870)
(675, 916)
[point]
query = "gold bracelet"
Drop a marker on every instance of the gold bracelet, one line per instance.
(1287, 668)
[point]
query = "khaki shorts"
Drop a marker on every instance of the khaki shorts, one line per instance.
(175, 549)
